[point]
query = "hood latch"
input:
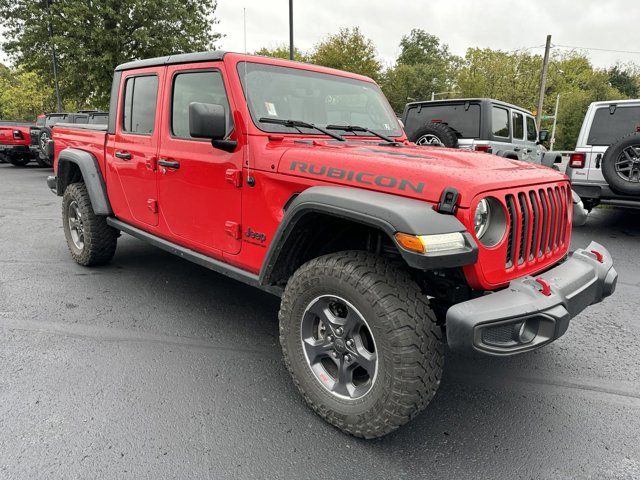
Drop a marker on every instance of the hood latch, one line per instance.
(448, 201)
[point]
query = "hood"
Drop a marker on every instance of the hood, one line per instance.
(409, 170)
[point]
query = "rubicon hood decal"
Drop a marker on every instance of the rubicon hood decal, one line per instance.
(362, 177)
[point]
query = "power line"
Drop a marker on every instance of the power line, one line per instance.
(597, 49)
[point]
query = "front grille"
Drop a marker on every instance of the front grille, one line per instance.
(537, 224)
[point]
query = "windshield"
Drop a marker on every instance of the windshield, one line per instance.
(611, 123)
(292, 94)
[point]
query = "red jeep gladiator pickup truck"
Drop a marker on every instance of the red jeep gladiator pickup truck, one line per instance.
(15, 141)
(299, 180)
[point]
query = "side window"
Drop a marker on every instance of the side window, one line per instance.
(518, 125)
(532, 132)
(204, 87)
(140, 94)
(500, 122)
(82, 119)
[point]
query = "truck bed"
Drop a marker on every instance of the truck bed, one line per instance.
(90, 138)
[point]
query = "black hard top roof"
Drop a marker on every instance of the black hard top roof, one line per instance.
(173, 60)
(462, 100)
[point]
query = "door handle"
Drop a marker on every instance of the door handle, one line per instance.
(163, 162)
(516, 149)
(123, 155)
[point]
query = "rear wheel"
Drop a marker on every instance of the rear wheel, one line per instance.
(360, 342)
(90, 240)
(43, 159)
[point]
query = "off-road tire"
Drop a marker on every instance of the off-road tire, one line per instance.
(611, 156)
(19, 161)
(45, 133)
(408, 342)
(100, 239)
(445, 134)
(43, 161)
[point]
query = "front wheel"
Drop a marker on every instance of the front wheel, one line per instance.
(90, 240)
(360, 342)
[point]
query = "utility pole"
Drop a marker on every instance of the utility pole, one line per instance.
(244, 21)
(54, 58)
(555, 122)
(543, 81)
(291, 50)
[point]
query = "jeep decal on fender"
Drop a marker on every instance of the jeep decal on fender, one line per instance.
(365, 178)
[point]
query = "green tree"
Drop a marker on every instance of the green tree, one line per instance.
(282, 51)
(626, 79)
(348, 50)
(23, 95)
(93, 36)
(424, 66)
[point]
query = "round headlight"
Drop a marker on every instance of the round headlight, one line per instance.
(482, 218)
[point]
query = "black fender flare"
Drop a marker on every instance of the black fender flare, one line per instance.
(549, 159)
(508, 154)
(389, 213)
(91, 175)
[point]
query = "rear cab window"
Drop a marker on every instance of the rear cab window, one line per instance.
(463, 118)
(203, 86)
(140, 102)
(500, 122)
(610, 123)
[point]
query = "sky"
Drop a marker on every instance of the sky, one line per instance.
(497, 24)
(504, 24)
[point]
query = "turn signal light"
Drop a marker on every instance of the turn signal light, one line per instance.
(431, 243)
(577, 160)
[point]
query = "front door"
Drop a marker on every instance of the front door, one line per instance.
(198, 185)
(135, 147)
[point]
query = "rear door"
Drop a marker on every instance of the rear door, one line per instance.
(134, 150)
(200, 194)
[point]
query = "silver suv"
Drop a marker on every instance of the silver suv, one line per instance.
(605, 167)
(481, 124)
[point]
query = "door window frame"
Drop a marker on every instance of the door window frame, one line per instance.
(174, 76)
(513, 127)
(124, 99)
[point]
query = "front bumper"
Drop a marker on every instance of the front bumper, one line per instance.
(532, 311)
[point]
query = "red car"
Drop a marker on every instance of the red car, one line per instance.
(15, 142)
(299, 180)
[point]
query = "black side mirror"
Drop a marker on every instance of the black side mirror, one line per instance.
(207, 120)
(543, 136)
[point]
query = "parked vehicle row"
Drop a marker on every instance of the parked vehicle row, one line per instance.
(20, 143)
(299, 180)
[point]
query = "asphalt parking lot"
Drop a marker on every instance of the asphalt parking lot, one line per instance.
(154, 368)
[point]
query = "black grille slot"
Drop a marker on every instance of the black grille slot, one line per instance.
(535, 224)
(553, 226)
(524, 212)
(545, 224)
(513, 224)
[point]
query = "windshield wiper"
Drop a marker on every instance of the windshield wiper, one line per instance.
(356, 128)
(301, 124)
